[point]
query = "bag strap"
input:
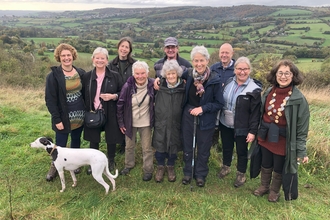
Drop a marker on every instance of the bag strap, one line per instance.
(144, 97)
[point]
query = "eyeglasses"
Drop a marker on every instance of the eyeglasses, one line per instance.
(244, 70)
(286, 74)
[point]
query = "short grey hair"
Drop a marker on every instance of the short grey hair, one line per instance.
(171, 65)
(140, 65)
(243, 60)
(101, 50)
(200, 49)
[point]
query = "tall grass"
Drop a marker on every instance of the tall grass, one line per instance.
(24, 193)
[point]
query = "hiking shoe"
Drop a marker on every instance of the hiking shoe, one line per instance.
(186, 180)
(200, 182)
(112, 165)
(160, 174)
(240, 179)
(225, 170)
(77, 171)
(125, 171)
(147, 177)
(171, 177)
(52, 173)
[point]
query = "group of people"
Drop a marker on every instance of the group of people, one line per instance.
(179, 111)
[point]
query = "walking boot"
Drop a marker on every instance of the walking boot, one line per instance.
(112, 164)
(274, 193)
(52, 173)
(225, 170)
(159, 173)
(171, 174)
(240, 179)
(266, 176)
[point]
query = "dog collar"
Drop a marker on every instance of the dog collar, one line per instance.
(51, 152)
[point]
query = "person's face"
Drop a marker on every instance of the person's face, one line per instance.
(123, 50)
(140, 76)
(226, 54)
(171, 77)
(100, 60)
(171, 51)
(200, 63)
(242, 71)
(66, 58)
(284, 76)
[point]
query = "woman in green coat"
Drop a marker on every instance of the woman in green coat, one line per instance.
(283, 129)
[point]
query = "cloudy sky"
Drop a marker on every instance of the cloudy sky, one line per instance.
(63, 5)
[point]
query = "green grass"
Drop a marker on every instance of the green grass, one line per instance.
(24, 193)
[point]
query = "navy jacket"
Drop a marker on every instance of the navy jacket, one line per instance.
(224, 73)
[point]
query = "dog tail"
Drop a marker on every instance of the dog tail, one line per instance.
(108, 173)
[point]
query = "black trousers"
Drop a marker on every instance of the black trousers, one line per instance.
(203, 146)
(228, 139)
(111, 149)
(270, 160)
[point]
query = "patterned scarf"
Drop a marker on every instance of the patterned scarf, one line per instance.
(200, 79)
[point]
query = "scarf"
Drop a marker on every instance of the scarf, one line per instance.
(200, 79)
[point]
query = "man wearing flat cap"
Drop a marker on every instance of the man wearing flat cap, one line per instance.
(171, 49)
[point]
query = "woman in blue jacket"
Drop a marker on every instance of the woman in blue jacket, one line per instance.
(203, 100)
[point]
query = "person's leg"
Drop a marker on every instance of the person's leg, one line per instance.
(204, 143)
(147, 151)
(266, 172)
(130, 150)
(187, 137)
(94, 145)
(242, 160)
(61, 139)
(111, 150)
(160, 157)
(76, 137)
(227, 139)
(274, 192)
(171, 176)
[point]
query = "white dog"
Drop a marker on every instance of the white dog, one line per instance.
(73, 158)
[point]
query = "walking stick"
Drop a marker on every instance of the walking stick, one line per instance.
(193, 154)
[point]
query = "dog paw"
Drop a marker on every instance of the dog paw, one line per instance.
(74, 184)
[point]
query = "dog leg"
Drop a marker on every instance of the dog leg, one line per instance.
(61, 174)
(74, 179)
(111, 178)
(98, 177)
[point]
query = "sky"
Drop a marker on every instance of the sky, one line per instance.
(72, 5)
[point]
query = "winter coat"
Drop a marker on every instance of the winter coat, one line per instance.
(247, 107)
(211, 101)
(160, 63)
(127, 72)
(224, 73)
(168, 113)
(55, 97)
(297, 118)
(111, 84)
(124, 105)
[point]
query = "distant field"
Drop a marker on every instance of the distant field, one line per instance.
(290, 11)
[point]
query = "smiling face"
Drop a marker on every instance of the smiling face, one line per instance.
(66, 58)
(140, 75)
(171, 77)
(200, 63)
(226, 54)
(242, 71)
(100, 60)
(123, 50)
(171, 51)
(284, 76)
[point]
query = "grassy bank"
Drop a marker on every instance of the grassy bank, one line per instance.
(25, 194)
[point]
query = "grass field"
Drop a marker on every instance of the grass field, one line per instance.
(24, 193)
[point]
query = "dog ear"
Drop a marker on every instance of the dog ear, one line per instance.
(44, 141)
(50, 139)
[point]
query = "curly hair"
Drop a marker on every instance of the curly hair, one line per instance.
(297, 78)
(63, 46)
(171, 65)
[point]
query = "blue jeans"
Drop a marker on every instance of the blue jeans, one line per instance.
(61, 139)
